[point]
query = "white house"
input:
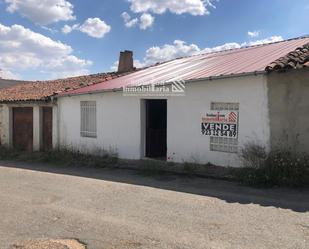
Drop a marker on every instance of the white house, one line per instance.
(202, 108)
(178, 128)
(121, 122)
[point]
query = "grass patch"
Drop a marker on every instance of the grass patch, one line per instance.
(152, 167)
(190, 168)
(260, 168)
(63, 157)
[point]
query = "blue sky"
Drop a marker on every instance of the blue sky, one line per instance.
(35, 45)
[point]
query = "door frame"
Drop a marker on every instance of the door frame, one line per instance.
(144, 121)
(42, 133)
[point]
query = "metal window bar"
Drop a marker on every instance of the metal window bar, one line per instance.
(88, 119)
(222, 144)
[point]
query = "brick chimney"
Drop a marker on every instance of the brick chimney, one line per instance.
(125, 62)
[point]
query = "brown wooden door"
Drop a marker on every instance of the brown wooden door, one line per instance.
(23, 128)
(47, 128)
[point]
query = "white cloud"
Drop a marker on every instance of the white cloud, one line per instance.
(42, 12)
(178, 7)
(137, 64)
(226, 46)
(94, 27)
(128, 21)
(146, 21)
(126, 17)
(167, 52)
(170, 51)
(66, 29)
(264, 41)
(182, 49)
(132, 23)
(22, 49)
(52, 30)
(253, 34)
(193, 7)
(6, 74)
(67, 66)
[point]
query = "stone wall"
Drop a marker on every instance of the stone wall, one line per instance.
(288, 94)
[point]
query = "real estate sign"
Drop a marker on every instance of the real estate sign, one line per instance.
(220, 124)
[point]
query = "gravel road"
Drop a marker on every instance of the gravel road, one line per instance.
(120, 209)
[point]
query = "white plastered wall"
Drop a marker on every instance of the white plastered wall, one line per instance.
(118, 124)
(120, 121)
(185, 141)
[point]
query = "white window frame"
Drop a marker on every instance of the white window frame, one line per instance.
(88, 119)
(224, 144)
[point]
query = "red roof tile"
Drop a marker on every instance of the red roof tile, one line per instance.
(299, 58)
(43, 90)
(211, 65)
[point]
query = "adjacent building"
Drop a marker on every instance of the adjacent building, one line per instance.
(288, 97)
(29, 113)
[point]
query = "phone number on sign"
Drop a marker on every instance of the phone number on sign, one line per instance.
(219, 130)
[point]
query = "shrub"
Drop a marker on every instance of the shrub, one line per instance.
(287, 168)
(276, 168)
(253, 156)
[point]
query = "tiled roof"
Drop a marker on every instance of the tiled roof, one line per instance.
(299, 58)
(43, 90)
(228, 63)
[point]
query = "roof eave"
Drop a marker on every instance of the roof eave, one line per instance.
(255, 73)
(27, 101)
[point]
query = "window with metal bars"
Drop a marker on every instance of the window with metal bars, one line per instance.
(224, 144)
(88, 127)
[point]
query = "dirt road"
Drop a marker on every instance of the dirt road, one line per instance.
(111, 209)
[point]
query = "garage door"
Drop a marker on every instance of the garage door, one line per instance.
(23, 128)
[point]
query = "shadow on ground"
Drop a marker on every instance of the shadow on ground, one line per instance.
(231, 192)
